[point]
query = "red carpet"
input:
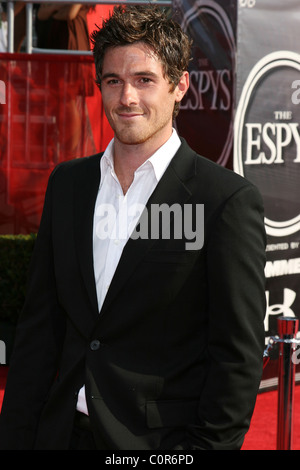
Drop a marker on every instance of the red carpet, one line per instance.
(262, 433)
(263, 429)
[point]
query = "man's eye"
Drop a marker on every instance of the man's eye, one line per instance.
(146, 80)
(113, 81)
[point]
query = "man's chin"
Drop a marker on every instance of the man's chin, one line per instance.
(130, 138)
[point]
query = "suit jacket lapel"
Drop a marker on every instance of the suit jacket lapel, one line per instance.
(171, 189)
(86, 191)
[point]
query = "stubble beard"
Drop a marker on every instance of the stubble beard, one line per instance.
(132, 135)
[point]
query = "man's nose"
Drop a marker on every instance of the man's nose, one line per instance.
(129, 95)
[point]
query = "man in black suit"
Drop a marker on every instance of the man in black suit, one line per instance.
(143, 322)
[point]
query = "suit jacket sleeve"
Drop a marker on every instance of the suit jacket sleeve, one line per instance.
(235, 263)
(34, 362)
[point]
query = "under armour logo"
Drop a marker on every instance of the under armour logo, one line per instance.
(283, 309)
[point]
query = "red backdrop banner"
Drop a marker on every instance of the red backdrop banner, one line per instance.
(52, 112)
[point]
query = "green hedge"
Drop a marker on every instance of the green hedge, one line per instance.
(15, 254)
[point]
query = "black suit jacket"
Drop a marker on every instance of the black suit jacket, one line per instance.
(174, 358)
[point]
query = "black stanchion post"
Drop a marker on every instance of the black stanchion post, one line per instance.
(287, 330)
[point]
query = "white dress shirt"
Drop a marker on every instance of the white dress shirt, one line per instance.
(116, 216)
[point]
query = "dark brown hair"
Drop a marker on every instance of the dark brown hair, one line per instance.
(148, 24)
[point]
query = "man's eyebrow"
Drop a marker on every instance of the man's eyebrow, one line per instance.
(109, 75)
(145, 73)
(142, 73)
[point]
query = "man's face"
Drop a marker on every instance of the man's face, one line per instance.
(136, 95)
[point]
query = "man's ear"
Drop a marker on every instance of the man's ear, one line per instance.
(182, 87)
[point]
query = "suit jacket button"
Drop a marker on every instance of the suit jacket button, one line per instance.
(95, 344)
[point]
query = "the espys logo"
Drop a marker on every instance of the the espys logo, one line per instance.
(212, 76)
(267, 139)
(2, 92)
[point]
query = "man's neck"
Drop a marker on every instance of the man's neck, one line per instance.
(128, 158)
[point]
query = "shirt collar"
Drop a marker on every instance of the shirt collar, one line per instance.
(162, 157)
(158, 161)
